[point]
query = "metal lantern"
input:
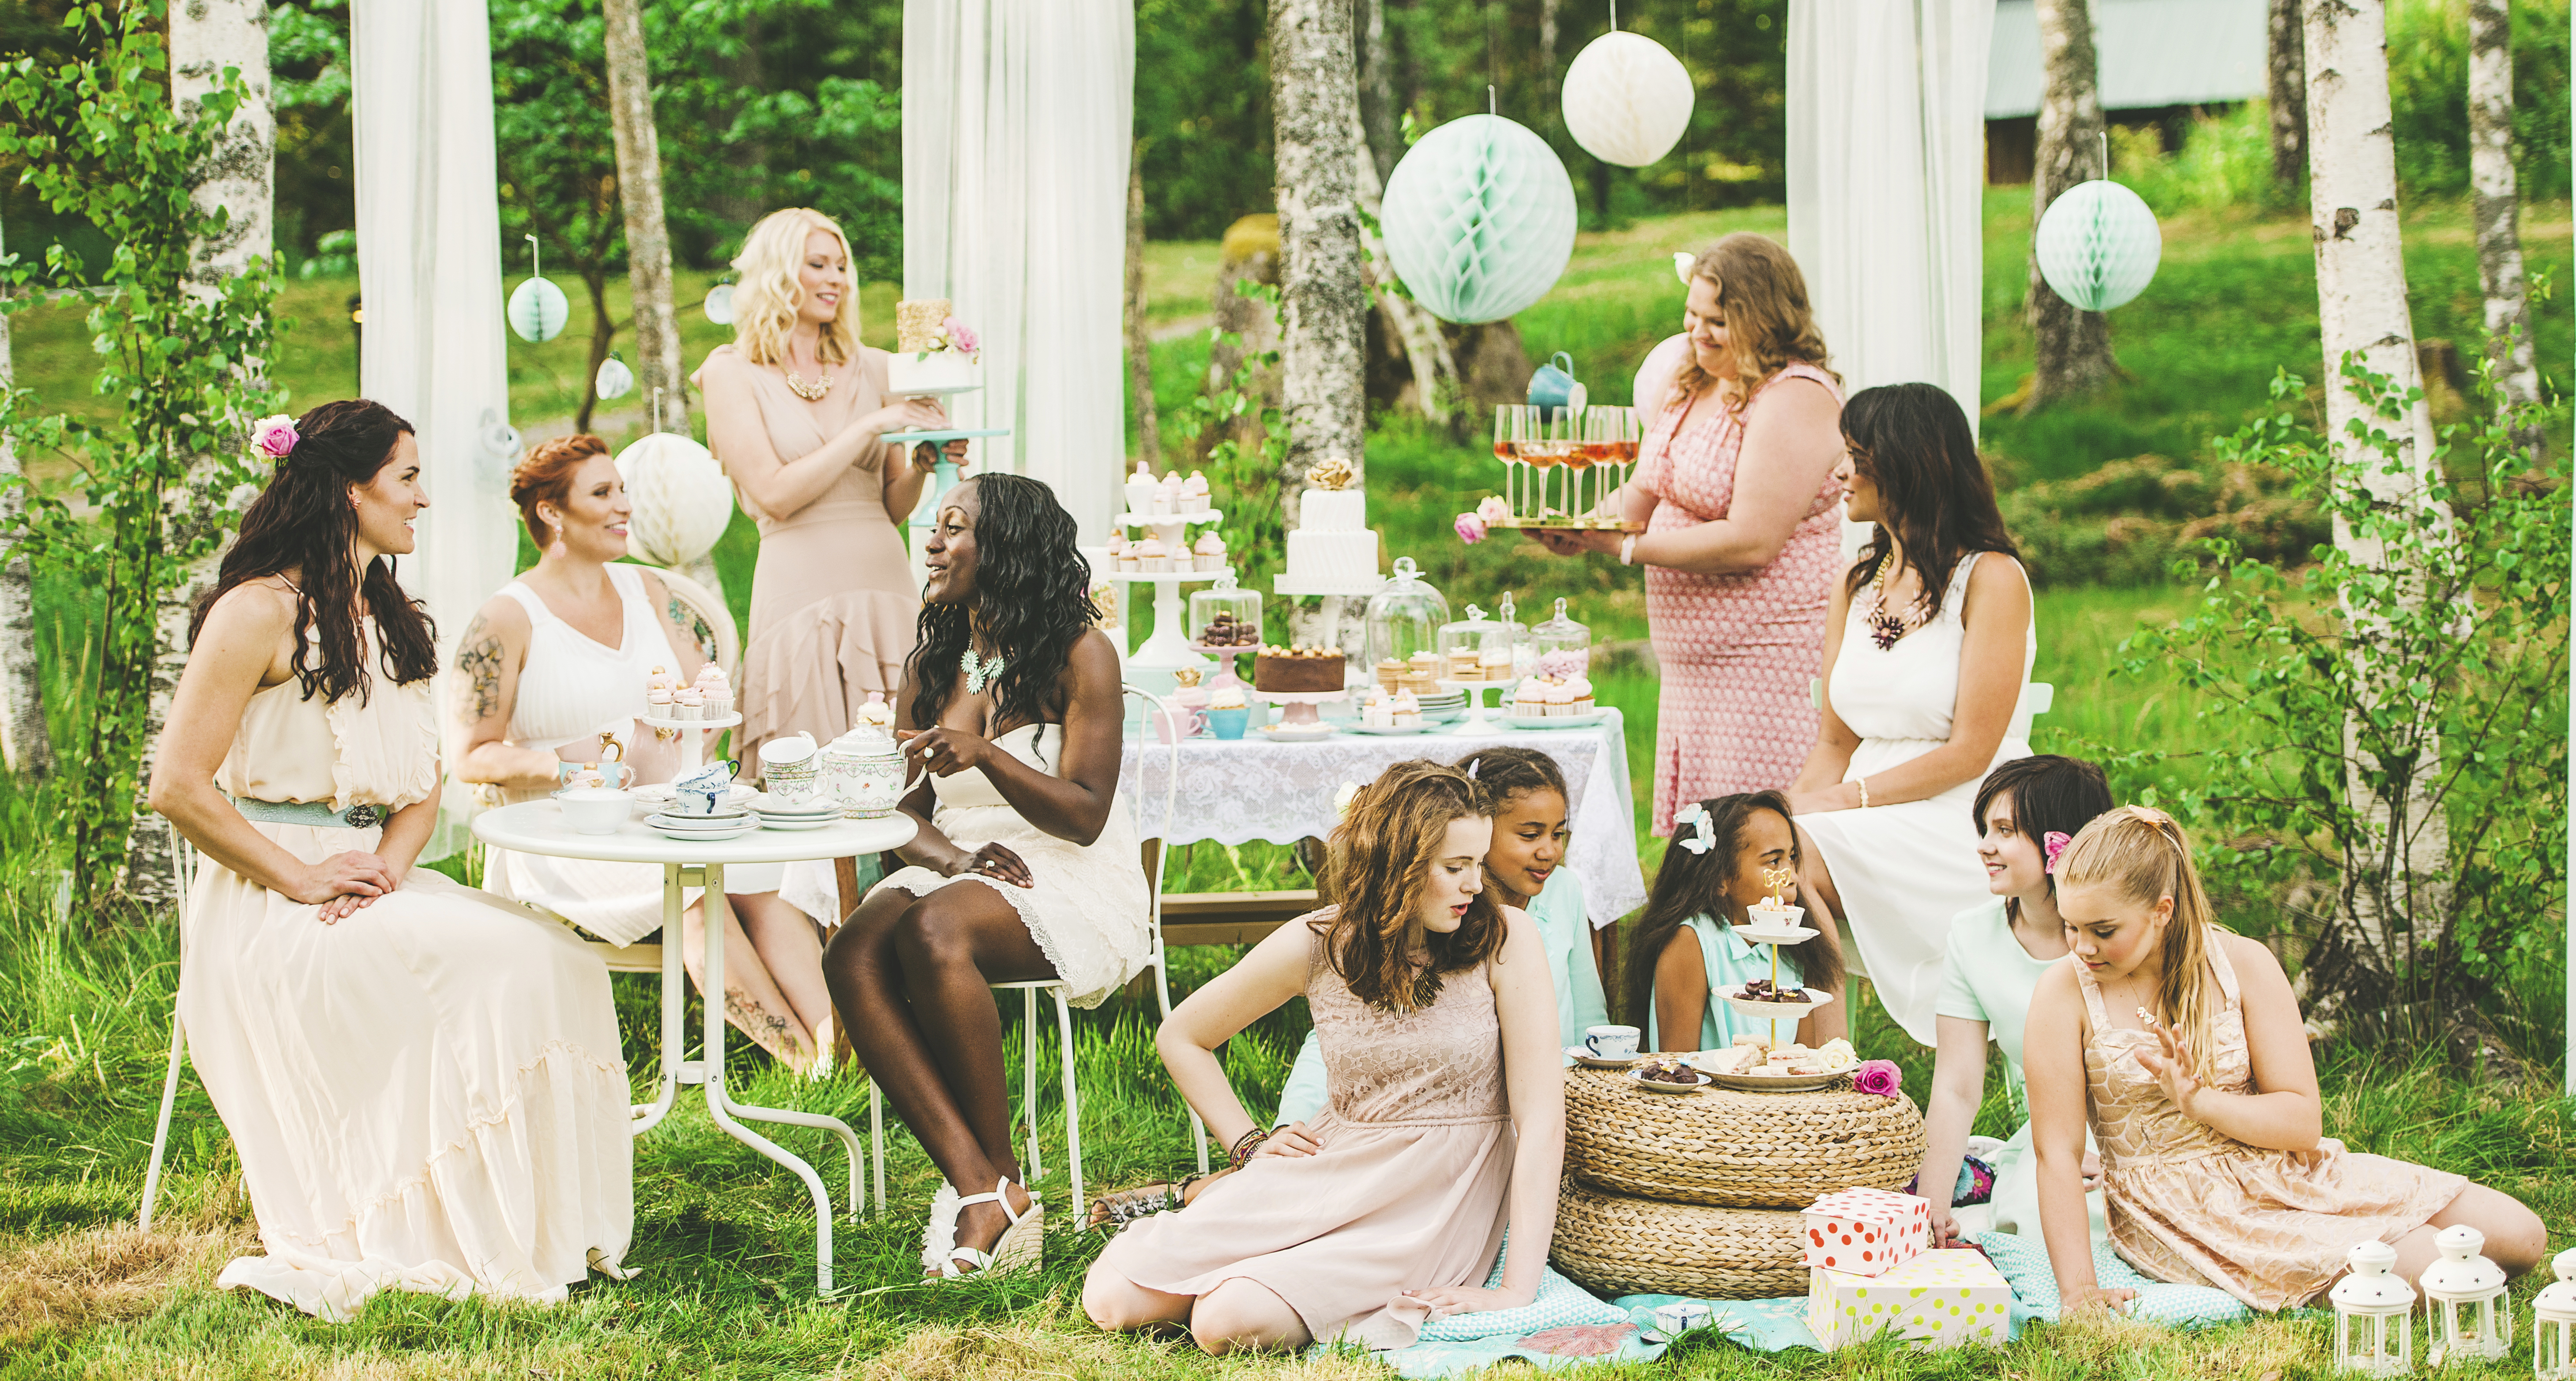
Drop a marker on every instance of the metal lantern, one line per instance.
(615, 379)
(2553, 1324)
(719, 306)
(2465, 1314)
(682, 500)
(1479, 219)
(538, 309)
(2098, 245)
(1627, 99)
(2374, 1314)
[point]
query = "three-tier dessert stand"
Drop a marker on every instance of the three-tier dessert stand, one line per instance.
(1775, 923)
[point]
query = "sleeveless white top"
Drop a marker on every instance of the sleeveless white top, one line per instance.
(1904, 696)
(571, 686)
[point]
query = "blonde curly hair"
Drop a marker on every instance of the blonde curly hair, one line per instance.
(766, 303)
(1764, 298)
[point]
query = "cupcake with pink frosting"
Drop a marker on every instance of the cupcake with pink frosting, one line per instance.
(1210, 550)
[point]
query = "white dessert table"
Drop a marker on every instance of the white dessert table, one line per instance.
(537, 827)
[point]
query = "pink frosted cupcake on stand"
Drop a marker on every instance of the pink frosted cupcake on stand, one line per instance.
(1210, 550)
(1194, 493)
(715, 692)
(1152, 558)
(688, 703)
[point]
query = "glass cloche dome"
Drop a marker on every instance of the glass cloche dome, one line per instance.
(1563, 647)
(1223, 616)
(1404, 621)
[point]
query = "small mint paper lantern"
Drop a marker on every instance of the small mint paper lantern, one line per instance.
(719, 304)
(615, 379)
(2098, 245)
(538, 309)
(1479, 219)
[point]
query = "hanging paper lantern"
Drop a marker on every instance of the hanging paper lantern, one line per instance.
(720, 304)
(2098, 245)
(1479, 219)
(682, 499)
(1627, 99)
(538, 310)
(615, 379)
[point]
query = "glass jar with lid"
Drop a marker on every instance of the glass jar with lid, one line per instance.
(1562, 647)
(1524, 653)
(1404, 621)
(1225, 617)
(1476, 648)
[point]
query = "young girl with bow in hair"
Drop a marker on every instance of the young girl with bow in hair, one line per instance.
(1713, 870)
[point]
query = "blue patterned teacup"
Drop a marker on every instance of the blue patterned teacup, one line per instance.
(700, 792)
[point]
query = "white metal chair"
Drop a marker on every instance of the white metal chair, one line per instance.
(183, 860)
(1156, 959)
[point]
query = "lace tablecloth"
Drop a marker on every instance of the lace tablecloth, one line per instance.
(1236, 790)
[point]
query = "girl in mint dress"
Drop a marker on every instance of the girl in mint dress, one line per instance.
(1711, 873)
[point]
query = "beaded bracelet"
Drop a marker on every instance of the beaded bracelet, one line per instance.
(1244, 1146)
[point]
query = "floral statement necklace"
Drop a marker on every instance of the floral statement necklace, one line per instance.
(981, 671)
(811, 392)
(1884, 628)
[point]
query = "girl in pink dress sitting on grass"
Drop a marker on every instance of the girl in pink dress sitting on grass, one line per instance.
(2181, 1043)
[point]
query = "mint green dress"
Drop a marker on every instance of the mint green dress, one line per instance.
(1730, 961)
(1564, 925)
(1987, 976)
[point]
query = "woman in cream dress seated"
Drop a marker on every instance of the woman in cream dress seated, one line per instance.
(423, 1083)
(1926, 649)
(1026, 866)
(556, 663)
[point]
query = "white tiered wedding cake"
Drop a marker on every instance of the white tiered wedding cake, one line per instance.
(1333, 551)
(935, 354)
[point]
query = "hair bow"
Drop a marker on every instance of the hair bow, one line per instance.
(1705, 837)
(2051, 845)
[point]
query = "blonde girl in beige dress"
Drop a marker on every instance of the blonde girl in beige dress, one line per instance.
(423, 1083)
(2181, 1043)
(560, 657)
(1446, 1123)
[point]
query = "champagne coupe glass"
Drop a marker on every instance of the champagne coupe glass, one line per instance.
(1625, 433)
(1511, 442)
(1544, 450)
(1578, 463)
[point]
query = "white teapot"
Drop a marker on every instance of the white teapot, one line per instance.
(863, 770)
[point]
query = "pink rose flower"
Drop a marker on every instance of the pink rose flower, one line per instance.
(1493, 510)
(961, 337)
(1880, 1077)
(274, 437)
(1470, 528)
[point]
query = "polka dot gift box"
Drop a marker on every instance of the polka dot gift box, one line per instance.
(1865, 1232)
(1942, 1298)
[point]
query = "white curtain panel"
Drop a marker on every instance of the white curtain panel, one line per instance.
(1886, 184)
(429, 266)
(1017, 119)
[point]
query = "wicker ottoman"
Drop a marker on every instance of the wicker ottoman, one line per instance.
(1735, 1150)
(1624, 1246)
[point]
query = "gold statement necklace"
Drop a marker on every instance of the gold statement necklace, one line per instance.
(811, 391)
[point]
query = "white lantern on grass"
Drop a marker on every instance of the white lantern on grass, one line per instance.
(2465, 1314)
(2374, 1314)
(1627, 99)
(2553, 1324)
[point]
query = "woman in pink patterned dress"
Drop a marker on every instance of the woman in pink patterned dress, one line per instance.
(1739, 501)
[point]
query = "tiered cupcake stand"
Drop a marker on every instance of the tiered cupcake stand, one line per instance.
(695, 735)
(1774, 923)
(1166, 648)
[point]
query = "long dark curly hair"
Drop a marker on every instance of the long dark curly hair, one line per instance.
(1032, 600)
(1913, 442)
(303, 523)
(1377, 866)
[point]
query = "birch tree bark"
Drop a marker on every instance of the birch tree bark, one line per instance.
(1140, 343)
(1314, 80)
(648, 236)
(1437, 390)
(2070, 350)
(2288, 92)
(2497, 209)
(25, 745)
(1378, 122)
(2392, 887)
(206, 37)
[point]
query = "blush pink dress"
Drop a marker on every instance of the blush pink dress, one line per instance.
(1410, 1190)
(1736, 652)
(2194, 1206)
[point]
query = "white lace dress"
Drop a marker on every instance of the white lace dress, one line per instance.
(1087, 911)
(1905, 870)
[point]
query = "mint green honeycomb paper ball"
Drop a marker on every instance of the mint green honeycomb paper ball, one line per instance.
(538, 310)
(1479, 219)
(2098, 245)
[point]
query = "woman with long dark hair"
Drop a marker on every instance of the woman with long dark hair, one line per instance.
(423, 1083)
(1025, 866)
(1926, 652)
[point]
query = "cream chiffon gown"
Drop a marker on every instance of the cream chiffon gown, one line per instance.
(426, 1096)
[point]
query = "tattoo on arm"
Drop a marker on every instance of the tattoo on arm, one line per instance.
(478, 657)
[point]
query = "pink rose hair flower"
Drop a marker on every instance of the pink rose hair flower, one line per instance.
(1470, 528)
(274, 437)
(1880, 1077)
(2051, 845)
(961, 337)
(1493, 510)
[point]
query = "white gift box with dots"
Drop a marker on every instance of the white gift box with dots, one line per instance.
(1940, 1298)
(1866, 1231)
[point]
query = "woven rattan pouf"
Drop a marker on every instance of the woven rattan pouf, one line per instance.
(1737, 1150)
(1622, 1246)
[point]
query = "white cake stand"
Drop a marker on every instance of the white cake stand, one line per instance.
(1764, 932)
(1166, 648)
(695, 735)
(1301, 713)
(1476, 725)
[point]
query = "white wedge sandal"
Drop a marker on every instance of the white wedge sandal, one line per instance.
(1021, 1247)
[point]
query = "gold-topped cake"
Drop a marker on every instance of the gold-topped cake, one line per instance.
(934, 353)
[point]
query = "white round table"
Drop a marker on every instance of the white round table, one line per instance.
(537, 827)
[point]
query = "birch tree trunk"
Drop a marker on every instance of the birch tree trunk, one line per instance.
(25, 745)
(1437, 390)
(1381, 136)
(1314, 80)
(2392, 886)
(2491, 183)
(2070, 350)
(2288, 92)
(206, 37)
(1140, 342)
(648, 236)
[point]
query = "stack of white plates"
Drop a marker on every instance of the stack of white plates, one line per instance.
(729, 822)
(811, 814)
